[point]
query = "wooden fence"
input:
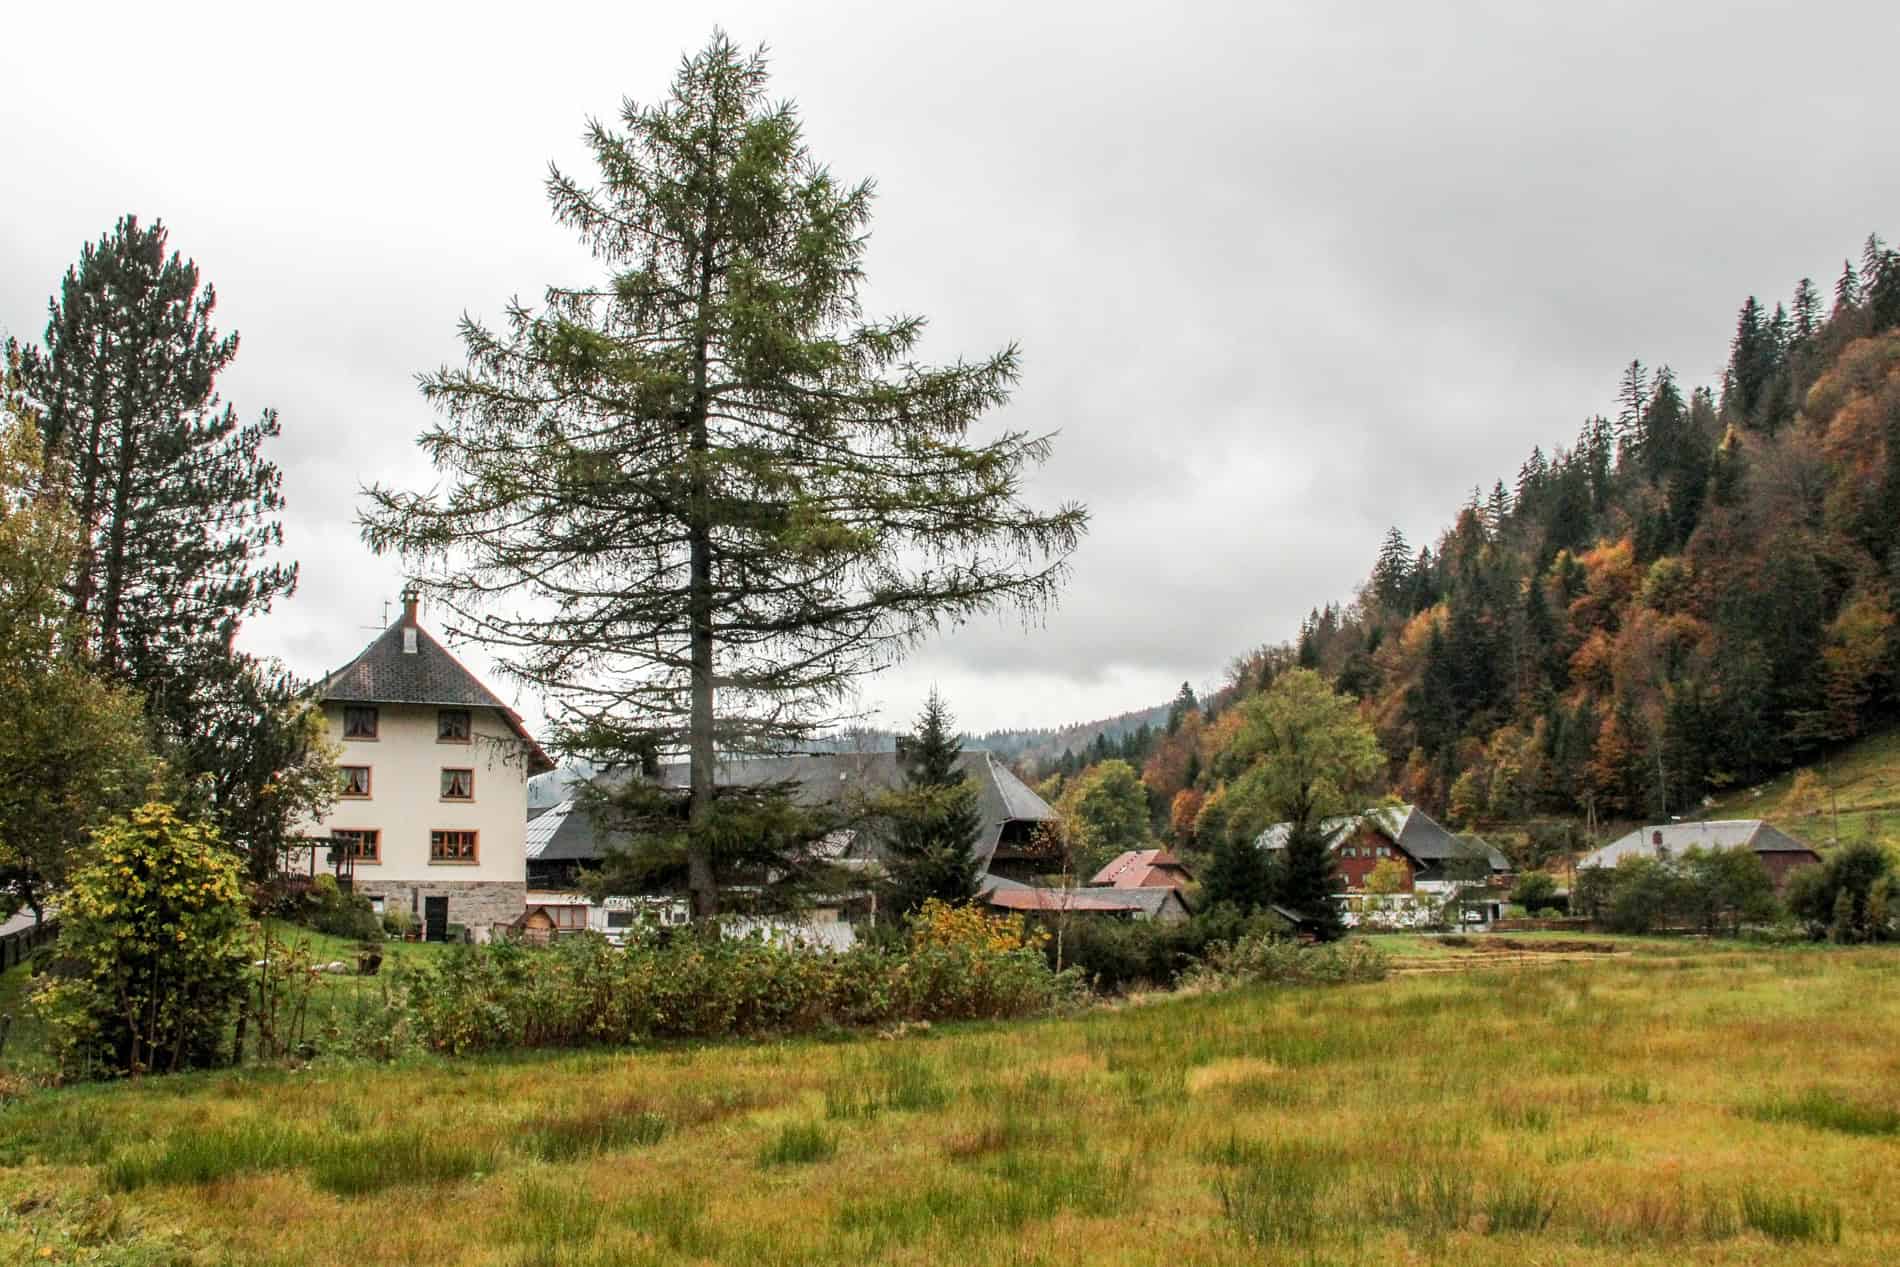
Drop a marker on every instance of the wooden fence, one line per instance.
(16, 945)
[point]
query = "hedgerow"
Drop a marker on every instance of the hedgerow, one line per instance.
(585, 991)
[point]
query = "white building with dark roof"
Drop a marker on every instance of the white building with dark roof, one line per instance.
(435, 767)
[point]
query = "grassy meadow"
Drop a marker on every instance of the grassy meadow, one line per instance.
(1669, 1105)
(1861, 781)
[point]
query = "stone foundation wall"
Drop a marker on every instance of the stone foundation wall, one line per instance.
(477, 904)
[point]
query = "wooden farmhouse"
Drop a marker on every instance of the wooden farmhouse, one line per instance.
(1779, 852)
(1434, 865)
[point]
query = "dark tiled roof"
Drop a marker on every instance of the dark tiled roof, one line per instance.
(1407, 826)
(384, 673)
(568, 832)
(834, 778)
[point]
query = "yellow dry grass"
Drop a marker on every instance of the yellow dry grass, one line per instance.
(1625, 1111)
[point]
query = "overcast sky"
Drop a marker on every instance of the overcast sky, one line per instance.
(1283, 274)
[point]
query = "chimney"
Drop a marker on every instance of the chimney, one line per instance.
(411, 600)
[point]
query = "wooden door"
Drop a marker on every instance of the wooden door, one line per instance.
(435, 919)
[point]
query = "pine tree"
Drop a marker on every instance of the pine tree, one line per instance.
(1239, 873)
(1632, 396)
(1531, 477)
(1753, 359)
(1807, 309)
(1596, 447)
(1391, 574)
(1663, 426)
(1184, 703)
(934, 821)
(1424, 583)
(1883, 292)
(695, 501)
(1498, 509)
(176, 500)
(1873, 262)
(1846, 289)
(1307, 879)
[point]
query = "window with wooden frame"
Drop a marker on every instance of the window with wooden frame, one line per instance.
(355, 782)
(458, 784)
(453, 846)
(359, 721)
(452, 725)
(365, 844)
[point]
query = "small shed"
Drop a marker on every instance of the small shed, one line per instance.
(1160, 903)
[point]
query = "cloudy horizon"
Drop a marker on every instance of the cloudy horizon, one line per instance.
(1282, 275)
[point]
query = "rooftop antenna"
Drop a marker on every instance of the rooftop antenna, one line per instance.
(384, 625)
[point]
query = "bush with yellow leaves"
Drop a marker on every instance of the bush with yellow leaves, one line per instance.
(938, 924)
(152, 949)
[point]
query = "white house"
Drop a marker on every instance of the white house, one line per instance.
(433, 811)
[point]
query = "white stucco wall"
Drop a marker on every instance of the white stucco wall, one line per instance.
(405, 803)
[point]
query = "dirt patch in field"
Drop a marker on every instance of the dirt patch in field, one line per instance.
(1553, 947)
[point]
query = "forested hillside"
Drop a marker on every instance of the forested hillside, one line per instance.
(1698, 593)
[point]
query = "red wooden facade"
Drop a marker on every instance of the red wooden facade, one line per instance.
(1364, 850)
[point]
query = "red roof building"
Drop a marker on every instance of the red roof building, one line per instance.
(1145, 869)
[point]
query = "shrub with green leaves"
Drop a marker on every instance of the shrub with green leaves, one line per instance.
(155, 930)
(1276, 961)
(328, 909)
(1115, 955)
(584, 991)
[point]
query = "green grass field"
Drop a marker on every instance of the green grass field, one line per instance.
(1736, 1106)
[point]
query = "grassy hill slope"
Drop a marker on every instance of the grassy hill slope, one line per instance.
(1859, 783)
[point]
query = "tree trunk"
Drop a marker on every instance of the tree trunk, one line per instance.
(88, 463)
(112, 601)
(700, 755)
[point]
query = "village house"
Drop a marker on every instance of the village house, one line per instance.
(1779, 852)
(432, 814)
(1143, 869)
(564, 837)
(1432, 867)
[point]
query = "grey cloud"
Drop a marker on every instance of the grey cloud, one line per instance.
(1283, 274)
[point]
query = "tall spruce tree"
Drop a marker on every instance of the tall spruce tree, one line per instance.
(176, 501)
(1307, 878)
(1873, 262)
(1184, 703)
(1753, 359)
(696, 500)
(1846, 289)
(1632, 398)
(1392, 574)
(934, 821)
(1807, 309)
